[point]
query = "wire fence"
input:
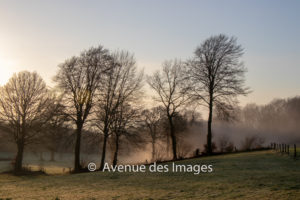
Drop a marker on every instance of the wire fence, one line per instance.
(288, 149)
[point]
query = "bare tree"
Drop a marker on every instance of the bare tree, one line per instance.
(56, 131)
(79, 79)
(153, 119)
(121, 85)
(180, 123)
(217, 75)
(26, 106)
(125, 125)
(193, 116)
(170, 87)
(226, 112)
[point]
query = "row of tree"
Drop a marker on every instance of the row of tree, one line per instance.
(101, 92)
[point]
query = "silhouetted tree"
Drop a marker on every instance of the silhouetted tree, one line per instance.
(193, 116)
(79, 79)
(121, 85)
(153, 120)
(125, 124)
(180, 122)
(217, 75)
(26, 106)
(170, 87)
(56, 131)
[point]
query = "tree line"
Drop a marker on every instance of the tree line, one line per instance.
(101, 91)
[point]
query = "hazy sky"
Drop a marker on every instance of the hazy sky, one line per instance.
(38, 35)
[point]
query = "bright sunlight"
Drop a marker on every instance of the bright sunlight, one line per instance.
(6, 70)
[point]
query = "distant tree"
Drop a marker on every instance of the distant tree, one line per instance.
(121, 85)
(56, 131)
(292, 108)
(79, 79)
(125, 124)
(192, 116)
(226, 112)
(26, 106)
(273, 114)
(217, 75)
(171, 91)
(152, 119)
(251, 116)
(279, 118)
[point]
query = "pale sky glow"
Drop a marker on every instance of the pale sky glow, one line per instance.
(38, 35)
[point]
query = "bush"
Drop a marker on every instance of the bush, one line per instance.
(252, 142)
(225, 145)
(213, 147)
(229, 147)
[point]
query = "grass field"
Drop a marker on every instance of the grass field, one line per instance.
(254, 175)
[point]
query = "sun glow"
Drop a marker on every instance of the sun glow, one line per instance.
(6, 71)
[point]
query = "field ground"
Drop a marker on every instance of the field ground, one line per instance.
(253, 175)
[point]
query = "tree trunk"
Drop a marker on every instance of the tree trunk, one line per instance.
(77, 166)
(19, 157)
(103, 150)
(209, 122)
(173, 138)
(168, 144)
(153, 150)
(116, 151)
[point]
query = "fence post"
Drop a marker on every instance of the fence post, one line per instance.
(295, 152)
(279, 147)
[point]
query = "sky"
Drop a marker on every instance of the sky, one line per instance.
(39, 35)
